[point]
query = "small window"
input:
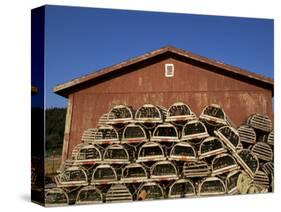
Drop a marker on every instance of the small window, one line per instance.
(169, 70)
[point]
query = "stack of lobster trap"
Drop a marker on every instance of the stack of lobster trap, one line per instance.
(155, 153)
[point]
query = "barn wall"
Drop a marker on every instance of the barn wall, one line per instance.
(195, 86)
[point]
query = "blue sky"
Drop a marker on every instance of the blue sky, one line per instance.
(82, 40)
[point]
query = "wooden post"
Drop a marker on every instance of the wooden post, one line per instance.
(67, 129)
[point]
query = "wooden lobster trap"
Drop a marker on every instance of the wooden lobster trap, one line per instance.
(133, 134)
(211, 186)
(229, 136)
(194, 130)
(261, 179)
(149, 113)
(211, 146)
(248, 161)
(104, 174)
(196, 169)
(118, 193)
(165, 133)
(150, 191)
(116, 154)
(56, 197)
(151, 151)
(263, 151)
(260, 122)
(268, 168)
(270, 138)
(179, 113)
(87, 154)
(183, 151)
(223, 163)
(120, 114)
(247, 134)
(214, 115)
(106, 135)
(133, 173)
(232, 182)
(163, 170)
(72, 177)
(89, 195)
(88, 135)
(182, 188)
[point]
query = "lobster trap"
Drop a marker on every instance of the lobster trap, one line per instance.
(104, 174)
(88, 135)
(133, 173)
(183, 151)
(116, 154)
(89, 195)
(248, 161)
(72, 177)
(163, 170)
(181, 188)
(268, 168)
(214, 115)
(179, 112)
(223, 163)
(247, 134)
(118, 193)
(56, 197)
(212, 186)
(232, 182)
(106, 135)
(149, 113)
(263, 151)
(151, 151)
(270, 138)
(194, 130)
(261, 179)
(211, 146)
(150, 191)
(165, 133)
(87, 154)
(229, 136)
(196, 169)
(120, 114)
(260, 122)
(133, 134)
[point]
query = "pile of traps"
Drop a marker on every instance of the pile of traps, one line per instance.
(157, 153)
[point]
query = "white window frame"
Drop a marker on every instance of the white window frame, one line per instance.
(166, 70)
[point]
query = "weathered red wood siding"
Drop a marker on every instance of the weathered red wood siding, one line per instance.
(196, 86)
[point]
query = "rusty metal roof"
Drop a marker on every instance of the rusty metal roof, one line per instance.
(67, 88)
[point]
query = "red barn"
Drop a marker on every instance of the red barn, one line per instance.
(162, 77)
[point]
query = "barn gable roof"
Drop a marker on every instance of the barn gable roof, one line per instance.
(97, 76)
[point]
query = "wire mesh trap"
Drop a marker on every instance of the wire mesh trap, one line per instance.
(72, 177)
(104, 174)
(214, 114)
(179, 112)
(149, 113)
(211, 146)
(133, 173)
(133, 134)
(229, 136)
(150, 191)
(165, 133)
(263, 151)
(87, 154)
(181, 188)
(56, 197)
(260, 122)
(194, 130)
(196, 169)
(223, 163)
(116, 154)
(151, 151)
(118, 193)
(106, 135)
(89, 195)
(247, 134)
(248, 161)
(163, 170)
(212, 186)
(183, 151)
(120, 114)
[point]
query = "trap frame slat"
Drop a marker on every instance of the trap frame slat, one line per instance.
(94, 197)
(213, 145)
(186, 192)
(118, 193)
(137, 134)
(184, 154)
(263, 151)
(221, 189)
(56, 197)
(165, 133)
(196, 169)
